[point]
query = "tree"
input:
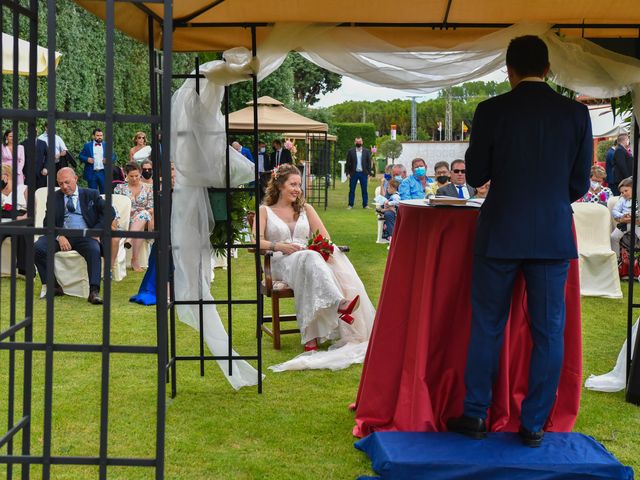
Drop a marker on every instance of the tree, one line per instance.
(309, 80)
(391, 149)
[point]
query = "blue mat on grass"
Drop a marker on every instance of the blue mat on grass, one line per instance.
(447, 456)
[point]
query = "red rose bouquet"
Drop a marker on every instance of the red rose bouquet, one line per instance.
(321, 245)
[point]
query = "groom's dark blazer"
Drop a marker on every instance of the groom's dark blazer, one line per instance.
(536, 148)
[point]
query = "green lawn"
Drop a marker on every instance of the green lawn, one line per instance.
(299, 428)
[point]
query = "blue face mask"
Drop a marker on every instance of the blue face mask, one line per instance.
(420, 171)
(398, 178)
(387, 176)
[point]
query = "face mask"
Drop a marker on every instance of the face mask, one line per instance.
(387, 176)
(595, 185)
(420, 171)
(358, 145)
(147, 174)
(3, 184)
(442, 179)
(262, 150)
(398, 178)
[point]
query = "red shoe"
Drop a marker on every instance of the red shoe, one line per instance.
(311, 346)
(345, 313)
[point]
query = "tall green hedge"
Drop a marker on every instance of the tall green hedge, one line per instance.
(347, 132)
(80, 76)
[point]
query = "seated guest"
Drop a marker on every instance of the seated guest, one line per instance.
(76, 208)
(390, 208)
(622, 215)
(597, 193)
(6, 184)
(141, 196)
(385, 179)
(146, 172)
(482, 190)
(458, 186)
(413, 187)
(441, 170)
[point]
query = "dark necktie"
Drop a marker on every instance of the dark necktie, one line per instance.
(70, 206)
(460, 194)
(277, 158)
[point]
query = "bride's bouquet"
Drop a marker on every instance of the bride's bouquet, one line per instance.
(321, 245)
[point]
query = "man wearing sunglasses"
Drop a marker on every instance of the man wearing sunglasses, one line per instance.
(458, 187)
(514, 139)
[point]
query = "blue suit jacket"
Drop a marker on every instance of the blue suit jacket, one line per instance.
(92, 206)
(86, 153)
(536, 148)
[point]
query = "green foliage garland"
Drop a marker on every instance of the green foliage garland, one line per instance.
(240, 204)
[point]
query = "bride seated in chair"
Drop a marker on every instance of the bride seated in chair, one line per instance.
(331, 303)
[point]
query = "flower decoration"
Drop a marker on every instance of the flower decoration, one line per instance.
(320, 244)
(290, 145)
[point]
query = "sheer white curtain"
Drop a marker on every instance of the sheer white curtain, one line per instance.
(199, 144)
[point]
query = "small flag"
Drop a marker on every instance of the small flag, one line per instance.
(439, 126)
(465, 129)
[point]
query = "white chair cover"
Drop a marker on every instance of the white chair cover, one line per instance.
(5, 258)
(69, 267)
(122, 204)
(610, 204)
(598, 263)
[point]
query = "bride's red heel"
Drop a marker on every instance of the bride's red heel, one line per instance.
(345, 313)
(311, 346)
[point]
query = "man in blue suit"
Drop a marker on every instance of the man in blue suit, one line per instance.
(78, 209)
(525, 224)
(93, 156)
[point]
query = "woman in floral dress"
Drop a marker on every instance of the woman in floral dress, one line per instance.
(141, 196)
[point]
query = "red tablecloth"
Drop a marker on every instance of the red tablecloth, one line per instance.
(413, 375)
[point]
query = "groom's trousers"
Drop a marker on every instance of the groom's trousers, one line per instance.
(491, 292)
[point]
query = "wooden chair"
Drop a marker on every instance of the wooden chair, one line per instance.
(275, 290)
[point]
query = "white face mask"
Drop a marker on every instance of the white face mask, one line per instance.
(262, 150)
(595, 185)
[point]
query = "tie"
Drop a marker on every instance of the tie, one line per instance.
(460, 194)
(277, 158)
(70, 206)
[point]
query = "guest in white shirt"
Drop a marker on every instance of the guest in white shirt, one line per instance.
(93, 157)
(60, 148)
(621, 213)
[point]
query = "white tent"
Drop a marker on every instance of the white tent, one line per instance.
(603, 123)
(42, 57)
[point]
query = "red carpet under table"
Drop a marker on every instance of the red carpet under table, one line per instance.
(413, 375)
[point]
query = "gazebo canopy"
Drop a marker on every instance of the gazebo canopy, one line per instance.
(206, 25)
(273, 116)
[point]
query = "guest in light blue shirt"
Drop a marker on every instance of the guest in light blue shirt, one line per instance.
(413, 186)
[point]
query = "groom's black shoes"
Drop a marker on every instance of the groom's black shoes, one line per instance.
(531, 439)
(470, 426)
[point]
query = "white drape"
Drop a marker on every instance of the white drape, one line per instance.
(198, 146)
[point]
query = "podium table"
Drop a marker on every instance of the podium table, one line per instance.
(413, 374)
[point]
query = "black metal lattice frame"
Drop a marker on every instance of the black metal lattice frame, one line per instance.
(159, 117)
(228, 246)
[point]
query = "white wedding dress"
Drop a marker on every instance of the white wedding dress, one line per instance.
(319, 287)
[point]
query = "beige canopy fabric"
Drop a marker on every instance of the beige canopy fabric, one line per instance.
(273, 116)
(195, 19)
(42, 57)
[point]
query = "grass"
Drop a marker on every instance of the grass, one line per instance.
(299, 428)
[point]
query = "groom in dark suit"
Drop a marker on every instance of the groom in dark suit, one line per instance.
(77, 208)
(525, 224)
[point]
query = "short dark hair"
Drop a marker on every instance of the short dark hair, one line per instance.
(528, 56)
(456, 161)
(440, 164)
(276, 142)
(96, 130)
